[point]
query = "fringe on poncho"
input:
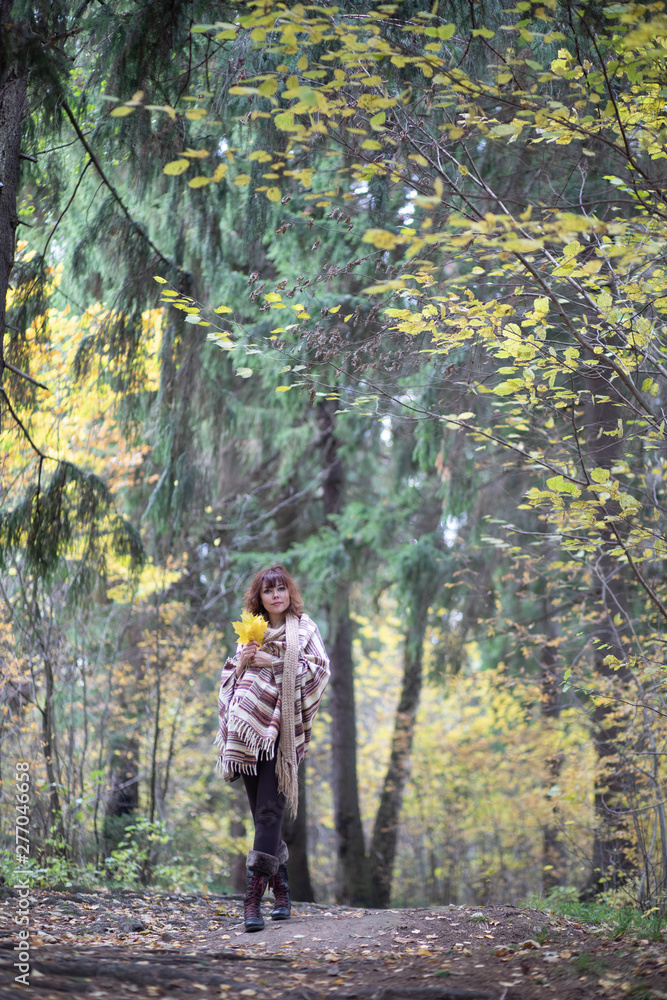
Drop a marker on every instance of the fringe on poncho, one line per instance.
(250, 707)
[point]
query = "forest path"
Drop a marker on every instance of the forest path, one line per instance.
(125, 945)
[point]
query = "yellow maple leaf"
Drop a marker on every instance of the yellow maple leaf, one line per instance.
(250, 627)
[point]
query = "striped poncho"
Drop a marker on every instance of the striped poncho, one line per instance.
(249, 707)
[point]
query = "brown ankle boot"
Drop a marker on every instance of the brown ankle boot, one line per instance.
(279, 883)
(260, 869)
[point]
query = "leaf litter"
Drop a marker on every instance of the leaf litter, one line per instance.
(122, 944)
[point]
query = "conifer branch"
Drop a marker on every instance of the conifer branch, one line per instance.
(19, 422)
(65, 209)
(65, 145)
(28, 378)
(112, 189)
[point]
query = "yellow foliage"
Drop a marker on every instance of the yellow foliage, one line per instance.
(382, 239)
(176, 167)
(76, 421)
(251, 628)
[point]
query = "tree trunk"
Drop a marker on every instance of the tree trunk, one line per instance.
(152, 849)
(122, 800)
(237, 866)
(49, 749)
(13, 102)
(553, 855)
(13, 81)
(385, 830)
(239, 813)
(295, 835)
(353, 884)
(152, 806)
(611, 862)
(418, 579)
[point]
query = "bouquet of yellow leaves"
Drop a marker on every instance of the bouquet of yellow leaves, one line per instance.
(251, 627)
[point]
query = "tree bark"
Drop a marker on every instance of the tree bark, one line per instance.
(239, 813)
(385, 830)
(553, 855)
(237, 866)
(13, 84)
(295, 835)
(353, 885)
(611, 862)
(49, 750)
(123, 798)
(418, 579)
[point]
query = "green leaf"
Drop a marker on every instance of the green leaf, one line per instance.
(560, 485)
(508, 387)
(308, 96)
(572, 248)
(244, 372)
(284, 121)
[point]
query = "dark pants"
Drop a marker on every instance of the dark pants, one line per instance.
(267, 805)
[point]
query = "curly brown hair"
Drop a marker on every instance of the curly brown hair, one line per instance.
(272, 576)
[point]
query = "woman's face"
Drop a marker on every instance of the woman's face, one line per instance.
(276, 599)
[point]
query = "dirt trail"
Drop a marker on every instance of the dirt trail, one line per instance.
(122, 945)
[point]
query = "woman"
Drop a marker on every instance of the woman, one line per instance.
(267, 703)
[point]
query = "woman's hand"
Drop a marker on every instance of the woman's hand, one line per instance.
(252, 656)
(262, 659)
(247, 653)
